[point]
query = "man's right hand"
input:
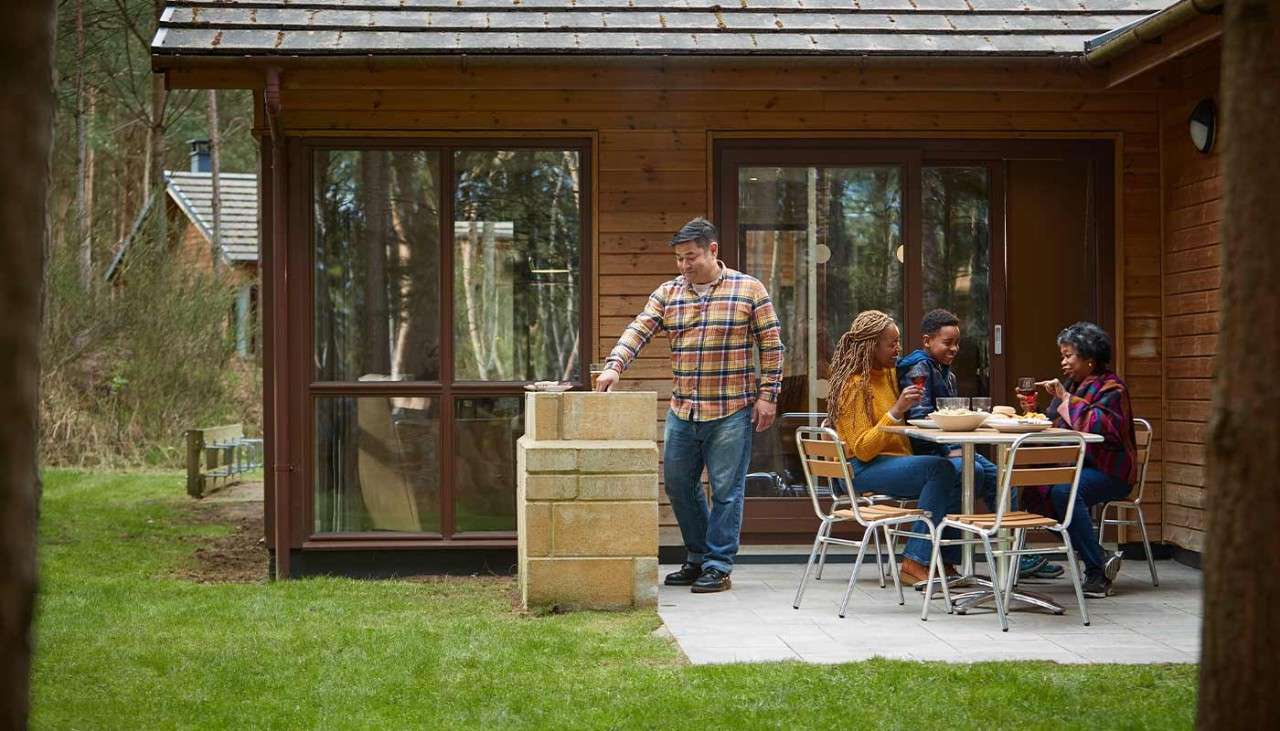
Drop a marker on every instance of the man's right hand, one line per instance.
(605, 381)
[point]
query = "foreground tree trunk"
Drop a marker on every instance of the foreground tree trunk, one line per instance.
(1239, 677)
(26, 122)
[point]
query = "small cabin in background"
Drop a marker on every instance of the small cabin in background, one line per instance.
(189, 199)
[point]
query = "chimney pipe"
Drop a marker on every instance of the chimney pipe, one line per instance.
(201, 161)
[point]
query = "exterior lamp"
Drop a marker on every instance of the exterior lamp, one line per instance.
(1203, 123)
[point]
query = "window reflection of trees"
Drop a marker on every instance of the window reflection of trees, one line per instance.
(957, 263)
(517, 259)
(377, 265)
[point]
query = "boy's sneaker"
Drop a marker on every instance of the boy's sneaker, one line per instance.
(1112, 566)
(1096, 584)
(1029, 565)
(1038, 567)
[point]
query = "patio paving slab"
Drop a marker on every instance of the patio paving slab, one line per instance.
(754, 622)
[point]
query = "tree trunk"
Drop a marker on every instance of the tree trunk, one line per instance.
(215, 166)
(26, 123)
(80, 225)
(154, 177)
(1239, 679)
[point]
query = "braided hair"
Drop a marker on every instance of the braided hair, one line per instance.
(855, 355)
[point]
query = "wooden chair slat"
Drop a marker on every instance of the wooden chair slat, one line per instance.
(1028, 456)
(818, 468)
(1023, 477)
(1143, 437)
(820, 448)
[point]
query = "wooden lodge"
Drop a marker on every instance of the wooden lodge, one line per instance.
(459, 197)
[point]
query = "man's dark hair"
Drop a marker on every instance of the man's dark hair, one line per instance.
(935, 320)
(700, 231)
(1090, 342)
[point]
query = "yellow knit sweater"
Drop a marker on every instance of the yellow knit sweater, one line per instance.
(860, 434)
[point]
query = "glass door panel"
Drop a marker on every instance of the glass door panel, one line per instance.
(827, 244)
(956, 268)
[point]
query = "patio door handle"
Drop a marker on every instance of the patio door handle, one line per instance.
(999, 339)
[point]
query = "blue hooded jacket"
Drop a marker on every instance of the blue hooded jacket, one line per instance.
(941, 383)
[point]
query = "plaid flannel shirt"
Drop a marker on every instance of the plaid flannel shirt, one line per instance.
(712, 369)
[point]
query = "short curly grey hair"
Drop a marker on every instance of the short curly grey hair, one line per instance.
(1090, 341)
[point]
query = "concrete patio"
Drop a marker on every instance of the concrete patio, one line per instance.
(755, 622)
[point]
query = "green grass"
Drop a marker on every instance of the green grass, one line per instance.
(123, 644)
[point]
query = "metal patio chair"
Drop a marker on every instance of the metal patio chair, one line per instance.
(1033, 460)
(822, 456)
(1143, 434)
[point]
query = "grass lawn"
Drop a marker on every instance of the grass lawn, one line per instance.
(123, 642)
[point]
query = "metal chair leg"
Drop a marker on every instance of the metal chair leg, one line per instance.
(1075, 576)
(1102, 521)
(1019, 542)
(1146, 546)
(935, 569)
(893, 566)
(995, 583)
(822, 561)
(853, 578)
(817, 540)
(879, 558)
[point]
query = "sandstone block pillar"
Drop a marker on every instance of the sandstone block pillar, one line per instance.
(587, 500)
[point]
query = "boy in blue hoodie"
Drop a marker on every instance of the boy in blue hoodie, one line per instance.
(940, 330)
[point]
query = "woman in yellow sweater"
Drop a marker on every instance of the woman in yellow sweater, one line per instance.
(864, 395)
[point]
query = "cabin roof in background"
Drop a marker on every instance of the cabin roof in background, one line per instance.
(640, 27)
(193, 192)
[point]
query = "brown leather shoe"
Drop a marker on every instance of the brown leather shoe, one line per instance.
(912, 571)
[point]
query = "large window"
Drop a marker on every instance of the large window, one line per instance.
(444, 279)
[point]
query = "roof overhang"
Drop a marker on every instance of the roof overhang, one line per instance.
(1134, 49)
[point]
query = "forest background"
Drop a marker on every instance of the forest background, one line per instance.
(112, 391)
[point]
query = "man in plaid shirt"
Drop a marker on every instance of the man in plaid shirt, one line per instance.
(712, 316)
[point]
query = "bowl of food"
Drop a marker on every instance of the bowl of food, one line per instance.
(958, 419)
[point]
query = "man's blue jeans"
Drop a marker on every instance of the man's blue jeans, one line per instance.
(723, 447)
(933, 482)
(1096, 487)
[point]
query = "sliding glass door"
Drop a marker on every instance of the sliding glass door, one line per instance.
(831, 233)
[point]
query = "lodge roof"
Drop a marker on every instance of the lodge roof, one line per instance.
(192, 193)
(642, 27)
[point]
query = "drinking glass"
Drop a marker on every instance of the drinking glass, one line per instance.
(918, 374)
(952, 402)
(1027, 394)
(980, 403)
(596, 370)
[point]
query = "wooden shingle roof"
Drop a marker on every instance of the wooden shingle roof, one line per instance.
(648, 27)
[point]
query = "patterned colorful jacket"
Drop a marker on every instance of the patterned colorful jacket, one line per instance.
(1100, 404)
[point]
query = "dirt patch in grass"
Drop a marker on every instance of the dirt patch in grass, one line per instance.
(240, 557)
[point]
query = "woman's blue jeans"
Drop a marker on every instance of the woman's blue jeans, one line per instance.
(1096, 487)
(933, 482)
(723, 447)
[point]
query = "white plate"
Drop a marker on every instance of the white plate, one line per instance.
(1013, 426)
(923, 423)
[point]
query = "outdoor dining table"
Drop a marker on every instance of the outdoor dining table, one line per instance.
(968, 442)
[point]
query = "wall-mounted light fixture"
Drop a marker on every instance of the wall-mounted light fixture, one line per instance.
(1203, 124)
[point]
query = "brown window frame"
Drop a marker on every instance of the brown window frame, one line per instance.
(306, 390)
